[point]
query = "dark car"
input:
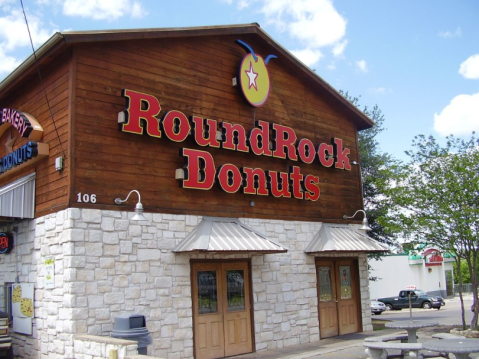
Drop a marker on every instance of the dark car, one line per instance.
(419, 299)
(377, 307)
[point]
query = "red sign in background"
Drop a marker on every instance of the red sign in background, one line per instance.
(6, 243)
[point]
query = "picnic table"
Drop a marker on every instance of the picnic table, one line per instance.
(411, 326)
(460, 347)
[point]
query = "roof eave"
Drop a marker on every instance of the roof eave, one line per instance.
(362, 121)
(30, 61)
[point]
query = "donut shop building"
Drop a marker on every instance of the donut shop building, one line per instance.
(197, 176)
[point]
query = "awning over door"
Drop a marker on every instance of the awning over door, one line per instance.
(343, 238)
(17, 199)
(214, 234)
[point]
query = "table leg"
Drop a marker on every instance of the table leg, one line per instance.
(376, 353)
(461, 355)
(411, 335)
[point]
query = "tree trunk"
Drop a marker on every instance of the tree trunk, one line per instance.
(473, 271)
(461, 298)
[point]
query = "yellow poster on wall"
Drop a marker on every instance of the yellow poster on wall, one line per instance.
(22, 307)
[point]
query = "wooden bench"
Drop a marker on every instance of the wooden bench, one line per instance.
(388, 338)
(378, 350)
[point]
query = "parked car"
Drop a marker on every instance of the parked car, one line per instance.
(377, 307)
(419, 299)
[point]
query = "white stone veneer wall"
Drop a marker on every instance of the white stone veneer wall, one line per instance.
(106, 265)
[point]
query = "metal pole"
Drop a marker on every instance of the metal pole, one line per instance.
(410, 308)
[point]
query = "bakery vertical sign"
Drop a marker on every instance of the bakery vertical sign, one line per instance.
(201, 172)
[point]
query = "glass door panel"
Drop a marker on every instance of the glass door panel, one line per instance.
(346, 288)
(325, 284)
(235, 290)
(207, 292)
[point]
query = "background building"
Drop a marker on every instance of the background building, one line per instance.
(427, 269)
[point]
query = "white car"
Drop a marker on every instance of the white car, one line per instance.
(377, 307)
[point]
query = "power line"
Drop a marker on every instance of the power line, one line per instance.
(41, 80)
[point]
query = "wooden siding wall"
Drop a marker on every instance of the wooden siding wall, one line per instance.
(28, 96)
(194, 75)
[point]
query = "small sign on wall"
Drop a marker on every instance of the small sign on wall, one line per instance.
(49, 273)
(22, 307)
(6, 243)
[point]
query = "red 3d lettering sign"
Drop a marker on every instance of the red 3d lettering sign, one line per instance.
(265, 139)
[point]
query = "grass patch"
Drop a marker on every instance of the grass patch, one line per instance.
(379, 324)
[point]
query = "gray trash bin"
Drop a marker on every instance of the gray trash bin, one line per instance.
(132, 327)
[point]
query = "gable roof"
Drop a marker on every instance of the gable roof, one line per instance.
(60, 41)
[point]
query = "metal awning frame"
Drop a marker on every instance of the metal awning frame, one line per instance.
(198, 241)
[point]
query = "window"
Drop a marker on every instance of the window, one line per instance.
(6, 299)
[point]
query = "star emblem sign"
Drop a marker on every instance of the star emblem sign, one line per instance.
(252, 76)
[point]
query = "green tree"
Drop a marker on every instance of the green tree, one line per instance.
(377, 173)
(438, 193)
(464, 272)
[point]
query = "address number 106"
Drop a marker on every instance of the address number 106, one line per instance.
(86, 198)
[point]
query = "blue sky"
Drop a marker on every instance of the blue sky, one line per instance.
(417, 60)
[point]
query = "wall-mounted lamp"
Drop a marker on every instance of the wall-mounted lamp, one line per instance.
(365, 226)
(138, 208)
(59, 163)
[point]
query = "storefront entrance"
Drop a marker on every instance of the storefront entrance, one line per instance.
(221, 309)
(338, 297)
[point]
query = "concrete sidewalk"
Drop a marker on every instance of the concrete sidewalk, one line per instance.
(348, 346)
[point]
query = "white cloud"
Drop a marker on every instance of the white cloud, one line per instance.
(5, 2)
(8, 63)
(460, 117)
(470, 68)
(308, 56)
(315, 23)
(338, 49)
(379, 90)
(103, 9)
(242, 4)
(362, 66)
(449, 34)
(14, 33)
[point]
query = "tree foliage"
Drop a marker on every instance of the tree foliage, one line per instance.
(463, 270)
(438, 193)
(377, 172)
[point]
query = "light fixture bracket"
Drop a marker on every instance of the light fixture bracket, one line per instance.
(138, 216)
(365, 225)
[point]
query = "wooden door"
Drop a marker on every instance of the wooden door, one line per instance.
(347, 297)
(338, 297)
(328, 304)
(221, 309)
